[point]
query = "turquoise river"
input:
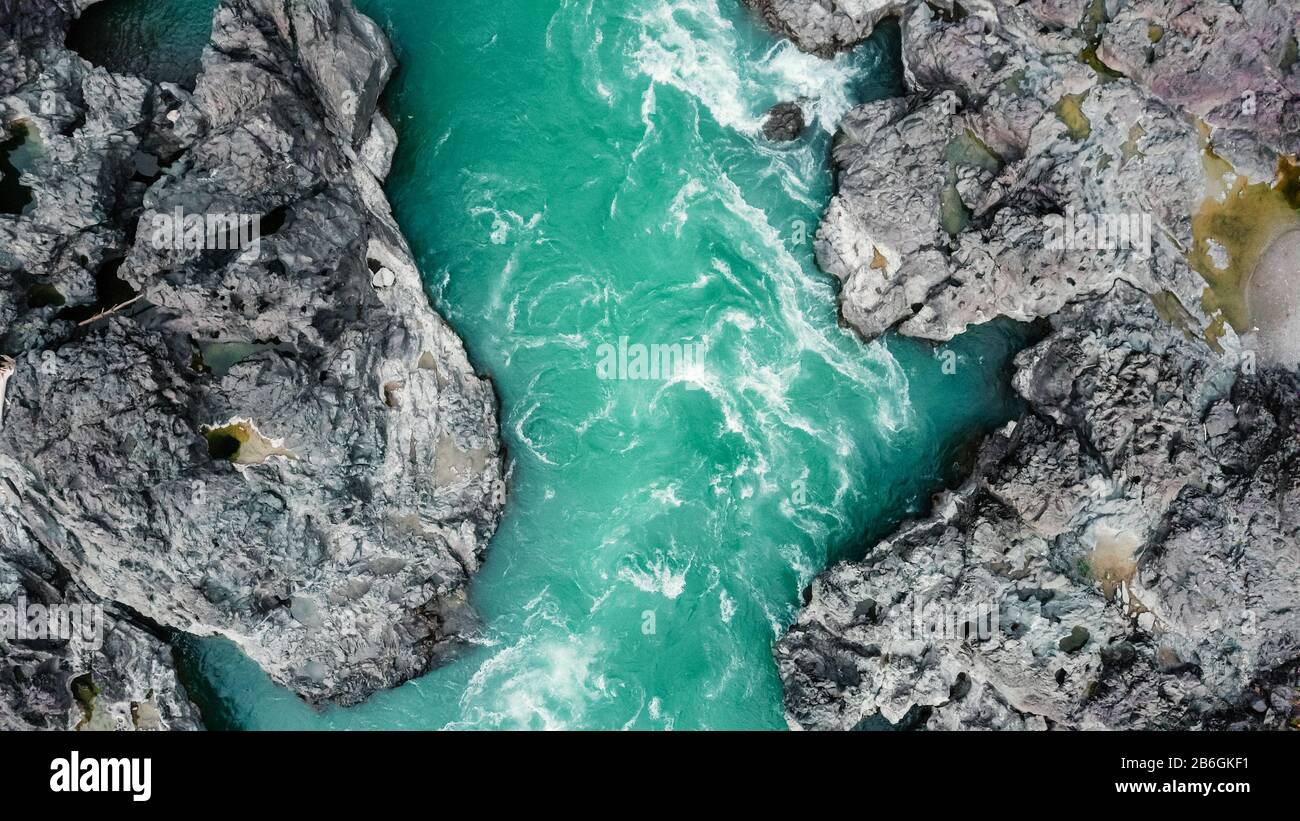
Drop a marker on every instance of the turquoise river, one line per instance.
(572, 172)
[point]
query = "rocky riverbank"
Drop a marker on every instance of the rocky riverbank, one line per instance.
(1127, 170)
(275, 440)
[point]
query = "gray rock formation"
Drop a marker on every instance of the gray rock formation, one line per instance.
(784, 122)
(1133, 535)
(1128, 550)
(947, 199)
(1231, 65)
(824, 27)
(266, 435)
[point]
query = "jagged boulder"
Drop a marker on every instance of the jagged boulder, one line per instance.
(784, 122)
(260, 430)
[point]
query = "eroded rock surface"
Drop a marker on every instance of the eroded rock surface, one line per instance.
(1136, 532)
(281, 443)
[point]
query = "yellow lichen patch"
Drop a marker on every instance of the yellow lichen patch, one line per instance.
(1288, 180)
(1070, 111)
(1094, 18)
(452, 464)
(1091, 29)
(242, 443)
(1215, 331)
(1104, 72)
(1171, 310)
(1130, 149)
(145, 714)
(1113, 561)
(1235, 226)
